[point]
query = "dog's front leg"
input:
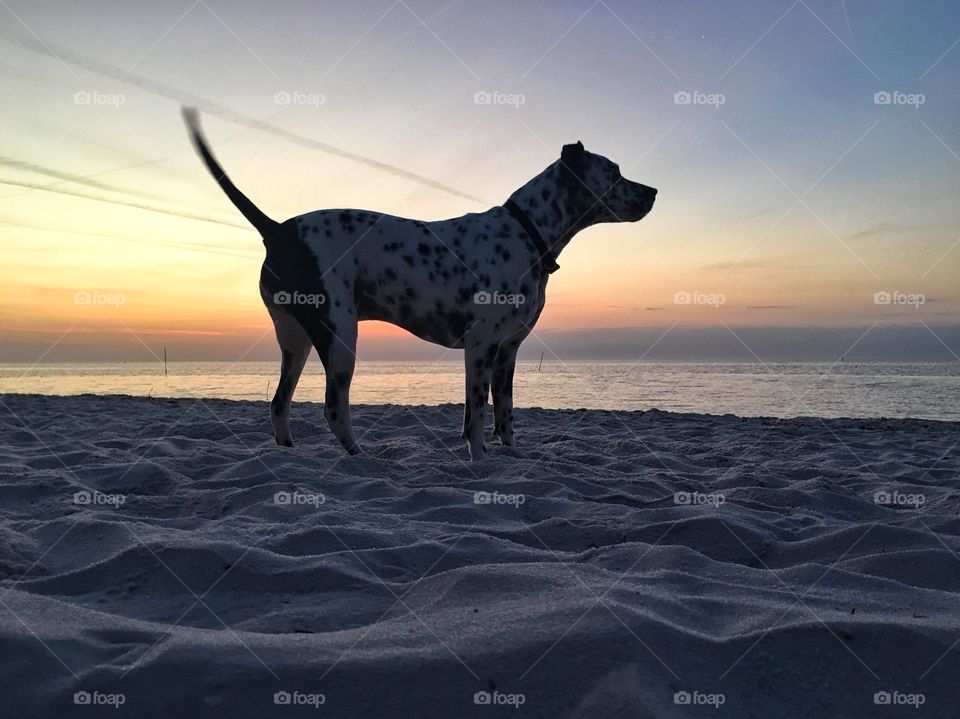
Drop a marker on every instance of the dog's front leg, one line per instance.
(478, 362)
(503, 370)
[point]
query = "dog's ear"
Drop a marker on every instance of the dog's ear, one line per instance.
(572, 160)
(572, 153)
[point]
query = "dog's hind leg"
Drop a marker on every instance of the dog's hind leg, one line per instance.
(478, 361)
(503, 369)
(294, 350)
(340, 360)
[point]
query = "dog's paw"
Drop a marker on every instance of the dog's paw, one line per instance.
(478, 453)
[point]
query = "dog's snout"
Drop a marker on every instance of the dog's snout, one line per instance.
(652, 191)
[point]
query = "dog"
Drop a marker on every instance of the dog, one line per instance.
(476, 282)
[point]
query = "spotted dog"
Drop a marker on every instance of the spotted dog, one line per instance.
(476, 282)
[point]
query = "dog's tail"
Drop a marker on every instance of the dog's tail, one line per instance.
(254, 215)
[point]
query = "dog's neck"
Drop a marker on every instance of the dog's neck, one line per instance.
(555, 207)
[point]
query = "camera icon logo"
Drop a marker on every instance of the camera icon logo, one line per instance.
(81, 698)
(281, 298)
(682, 98)
(482, 298)
(882, 98)
(482, 97)
(882, 298)
(681, 298)
(481, 698)
(282, 498)
(282, 697)
(681, 698)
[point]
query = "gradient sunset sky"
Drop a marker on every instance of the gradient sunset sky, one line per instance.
(791, 193)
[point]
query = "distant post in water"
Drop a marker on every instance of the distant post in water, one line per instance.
(164, 361)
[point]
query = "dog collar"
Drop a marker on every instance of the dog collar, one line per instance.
(546, 258)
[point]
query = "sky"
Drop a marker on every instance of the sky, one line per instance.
(807, 155)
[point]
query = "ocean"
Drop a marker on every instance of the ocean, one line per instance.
(846, 389)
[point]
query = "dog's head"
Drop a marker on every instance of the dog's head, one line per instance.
(595, 186)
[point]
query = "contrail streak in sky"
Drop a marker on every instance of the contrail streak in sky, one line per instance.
(124, 203)
(185, 98)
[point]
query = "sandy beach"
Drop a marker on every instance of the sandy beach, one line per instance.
(164, 558)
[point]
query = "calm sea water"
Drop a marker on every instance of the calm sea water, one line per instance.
(929, 390)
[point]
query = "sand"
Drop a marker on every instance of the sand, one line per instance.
(164, 558)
